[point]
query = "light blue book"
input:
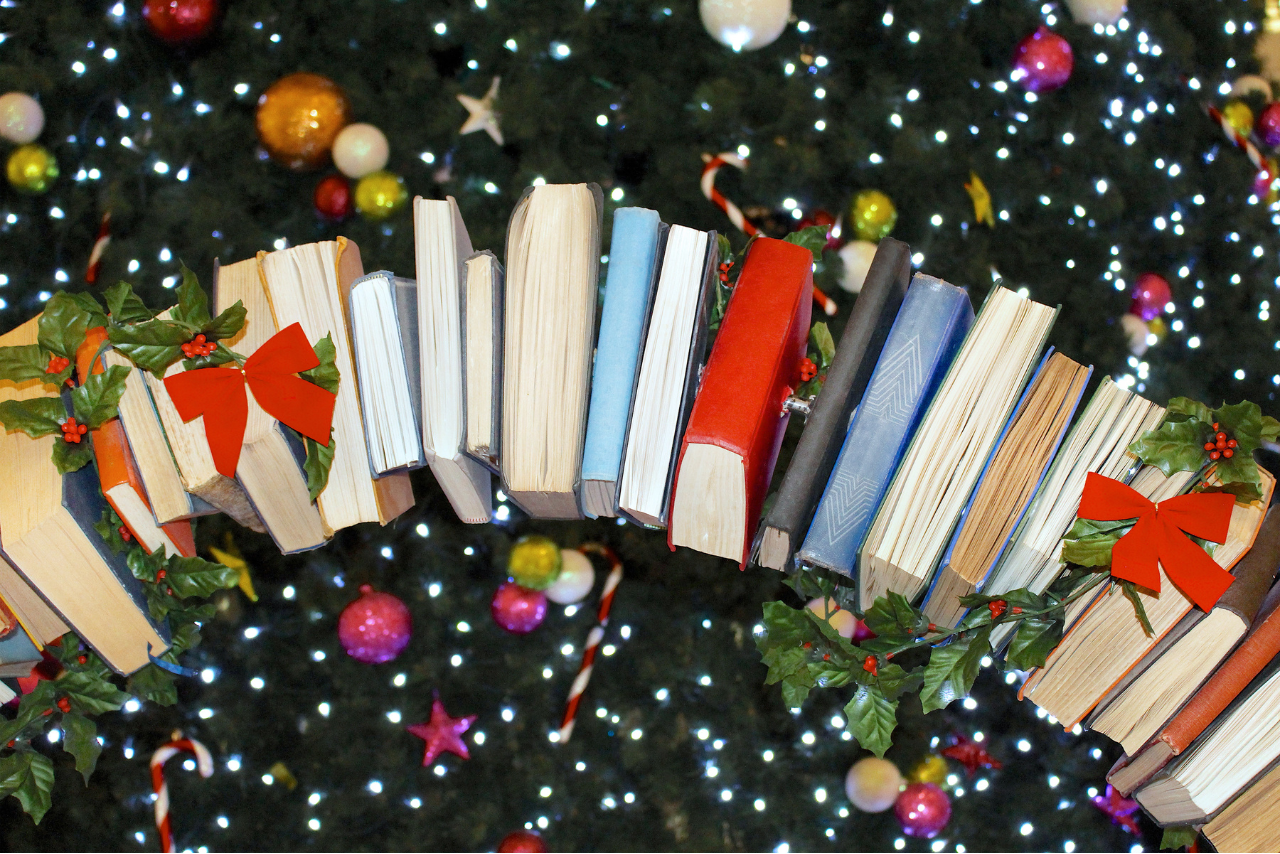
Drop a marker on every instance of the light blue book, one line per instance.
(634, 256)
(18, 654)
(926, 336)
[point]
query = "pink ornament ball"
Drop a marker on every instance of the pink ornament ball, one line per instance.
(1150, 295)
(1267, 125)
(923, 809)
(374, 628)
(1042, 61)
(517, 609)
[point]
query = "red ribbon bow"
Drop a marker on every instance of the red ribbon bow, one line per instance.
(1158, 535)
(219, 395)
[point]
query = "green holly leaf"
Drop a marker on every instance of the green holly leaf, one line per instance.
(72, 456)
(1131, 593)
(784, 627)
(220, 356)
(1270, 430)
(1186, 409)
(952, 669)
(828, 631)
(783, 662)
(28, 776)
(1087, 527)
(80, 740)
(1242, 422)
(892, 616)
(153, 345)
(108, 527)
(1093, 550)
(22, 363)
(193, 305)
(145, 567)
(317, 464)
(186, 637)
(90, 693)
(1034, 639)
(91, 306)
(194, 576)
(326, 373)
(893, 681)
(1183, 836)
(154, 684)
(813, 238)
(796, 688)
(872, 717)
(37, 416)
(1176, 446)
(125, 306)
(159, 601)
(1241, 472)
(226, 324)
(63, 324)
(1244, 492)
(821, 340)
(31, 708)
(724, 249)
(98, 399)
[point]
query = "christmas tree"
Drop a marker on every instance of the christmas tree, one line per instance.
(1071, 192)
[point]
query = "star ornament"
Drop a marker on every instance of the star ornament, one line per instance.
(1119, 809)
(442, 733)
(971, 755)
(480, 113)
(981, 200)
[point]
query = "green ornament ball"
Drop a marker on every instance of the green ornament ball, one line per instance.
(535, 562)
(31, 168)
(873, 215)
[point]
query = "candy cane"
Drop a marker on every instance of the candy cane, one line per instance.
(711, 165)
(203, 761)
(594, 638)
(99, 247)
(1243, 143)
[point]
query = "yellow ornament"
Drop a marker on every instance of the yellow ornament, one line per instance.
(535, 562)
(931, 769)
(380, 194)
(981, 200)
(1157, 328)
(1239, 116)
(298, 118)
(31, 168)
(281, 773)
(231, 558)
(873, 215)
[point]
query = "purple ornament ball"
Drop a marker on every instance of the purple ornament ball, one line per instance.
(1268, 124)
(374, 628)
(1150, 295)
(517, 609)
(1042, 61)
(923, 809)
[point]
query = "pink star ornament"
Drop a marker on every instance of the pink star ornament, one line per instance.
(442, 733)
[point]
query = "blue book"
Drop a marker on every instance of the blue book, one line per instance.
(18, 654)
(927, 334)
(634, 256)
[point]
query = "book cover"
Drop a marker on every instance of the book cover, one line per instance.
(483, 301)
(926, 336)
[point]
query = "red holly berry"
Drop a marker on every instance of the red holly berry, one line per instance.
(47, 712)
(125, 535)
(870, 665)
(997, 608)
(1220, 444)
(57, 364)
(160, 575)
(64, 705)
(1232, 443)
(82, 659)
(1208, 446)
(72, 432)
(826, 657)
(1215, 425)
(1213, 455)
(1228, 453)
(808, 370)
(1220, 436)
(933, 627)
(1016, 610)
(12, 742)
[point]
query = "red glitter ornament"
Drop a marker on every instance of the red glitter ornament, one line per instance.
(522, 841)
(971, 755)
(1042, 61)
(517, 609)
(442, 733)
(332, 198)
(923, 809)
(374, 628)
(1150, 295)
(180, 21)
(1268, 124)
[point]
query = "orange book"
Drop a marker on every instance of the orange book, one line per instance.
(118, 472)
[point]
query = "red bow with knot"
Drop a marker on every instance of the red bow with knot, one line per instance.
(219, 395)
(1159, 535)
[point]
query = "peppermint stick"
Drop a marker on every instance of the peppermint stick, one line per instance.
(594, 638)
(166, 751)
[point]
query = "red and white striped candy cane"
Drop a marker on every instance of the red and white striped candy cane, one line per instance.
(711, 165)
(594, 638)
(1242, 142)
(204, 762)
(99, 247)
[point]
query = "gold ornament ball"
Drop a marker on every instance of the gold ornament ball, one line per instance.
(872, 784)
(535, 561)
(299, 116)
(843, 621)
(1158, 328)
(931, 769)
(873, 215)
(1239, 116)
(31, 168)
(380, 194)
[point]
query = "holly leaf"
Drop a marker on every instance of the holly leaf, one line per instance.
(813, 238)
(72, 456)
(31, 708)
(1240, 471)
(724, 249)
(87, 301)
(796, 688)
(821, 340)
(159, 601)
(28, 776)
(220, 356)
(326, 373)
(1176, 446)
(872, 717)
(63, 324)
(22, 363)
(154, 684)
(784, 627)
(90, 693)
(1244, 492)
(126, 306)
(1085, 527)
(153, 345)
(892, 616)
(317, 464)
(195, 576)
(893, 681)
(98, 399)
(1094, 550)
(79, 738)
(226, 324)
(953, 668)
(1242, 422)
(108, 527)
(1186, 409)
(37, 416)
(145, 567)
(1131, 593)
(1183, 836)
(1034, 639)
(1270, 430)
(193, 305)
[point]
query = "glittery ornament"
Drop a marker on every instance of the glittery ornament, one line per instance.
(380, 194)
(360, 149)
(1158, 328)
(535, 562)
(873, 784)
(1268, 124)
(856, 256)
(1239, 116)
(844, 622)
(1089, 12)
(931, 769)
(577, 577)
(522, 841)
(21, 117)
(442, 733)
(745, 24)
(298, 118)
(180, 21)
(332, 198)
(1042, 61)
(517, 609)
(872, 216)
(923, 809)
(31, 168)
(1150, 295)
(971, 754)
(374, 628)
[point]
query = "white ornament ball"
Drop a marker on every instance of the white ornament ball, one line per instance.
(856, 256)
(360, 149)
(1096, 11)
(745, 24)
(1251, 83)
(872, 784)
(21, 118)
(577, 577)
(844, 622)
(1136, 332)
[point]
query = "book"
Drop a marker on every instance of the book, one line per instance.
(674, 347)
(384, 332)
(482, 341)
(1015, 469)
(1105, 639)
(1133, 711)
(635, 257)
(118, 473)
(946, 455)
(309, 285)
(441, 248)
(41, 623)
(47, 535)
(18, 652)
(927, 333)
(553, 259)
(738, 418)
(861, 342)
(270, 470)
(1251, 821)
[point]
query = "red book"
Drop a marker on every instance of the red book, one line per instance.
(738, 419)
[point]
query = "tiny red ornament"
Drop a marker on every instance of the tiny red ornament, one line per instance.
(180, 21)
(442, 733)
(1042, 61)
(517, 609)
(1268, 124)
(861, 632)
(332, 198)
(923, 809)
(971, 755)
(374, 628)
(522, 841)
(1150, 295)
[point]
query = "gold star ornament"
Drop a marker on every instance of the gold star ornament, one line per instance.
(480, 113)
(981, 200)
(231, 557)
